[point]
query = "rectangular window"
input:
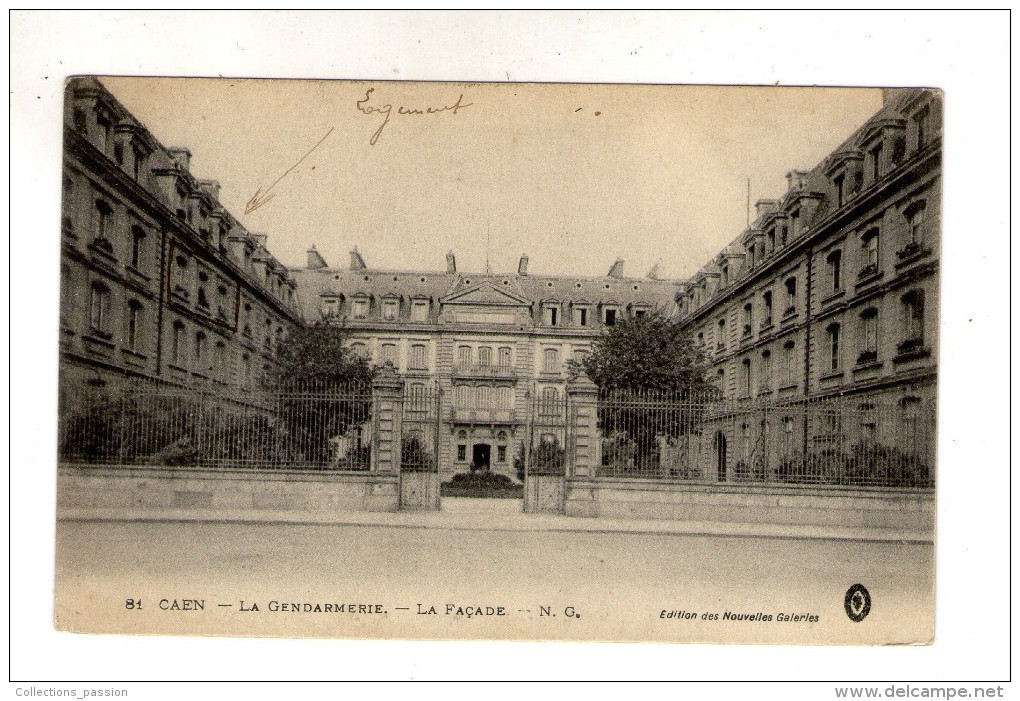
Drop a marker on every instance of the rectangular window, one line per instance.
(360, 308)
(790, 364)
(551, 316)
(869, 332)
(461, 396)
(464, 356)
(766, 370)
(871, 248)
(582, 317)
(766, 299)
(833, 332)
(835, 261)
(501, 453)
(610, 317)
(461, 453)
(418, 357)
(99, 309)
(913, 317)
(791, 295)
(504, 357)
(390, 307)
(389, 353)
(137, 238)
(175, 351)
(199, 348)
(746, 377)
(551, 360)
(134, 310)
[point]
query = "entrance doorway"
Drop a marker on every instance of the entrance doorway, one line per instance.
(481, 456)
(720, 456)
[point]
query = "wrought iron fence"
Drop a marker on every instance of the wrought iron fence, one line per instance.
(845, 441)
(419, 440)
(548, 441)
(308, 426)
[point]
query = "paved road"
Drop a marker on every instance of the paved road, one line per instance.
(618, 584)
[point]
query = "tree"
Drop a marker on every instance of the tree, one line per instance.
(651, 380)
(323, 389)
(649, 352)
(318, 355)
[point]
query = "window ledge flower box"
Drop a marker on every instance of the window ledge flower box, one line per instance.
(867, 357)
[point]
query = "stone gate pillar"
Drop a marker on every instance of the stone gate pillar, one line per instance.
(387, 403)
(582, 397)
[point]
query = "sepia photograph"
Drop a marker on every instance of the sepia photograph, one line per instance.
(358, 382)
(374, 346)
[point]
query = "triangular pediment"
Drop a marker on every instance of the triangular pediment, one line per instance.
(486, 294)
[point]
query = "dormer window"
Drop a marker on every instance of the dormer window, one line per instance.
(795, 224)
(420, 310)
(330, 307)
(390, 309)
(609, 317)
(875, 156)
(551, 315)
(922, 125)
(581, 316)
(915, 223)
(359, 309)
(839, 183)
(725, 276)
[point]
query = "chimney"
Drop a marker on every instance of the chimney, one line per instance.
(451, 262)
(211, 187)
(181, 157)
(315, 259)
(522, 266)
(357, 262)
(796, 180)
(617, 269)
(763, 207)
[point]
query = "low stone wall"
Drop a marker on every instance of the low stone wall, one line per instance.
(872, 508)
(192, 491)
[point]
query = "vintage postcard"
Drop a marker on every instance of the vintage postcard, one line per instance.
(501, 361)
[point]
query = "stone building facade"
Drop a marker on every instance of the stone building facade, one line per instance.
(833, 291)
(491, 346)
(158, 281)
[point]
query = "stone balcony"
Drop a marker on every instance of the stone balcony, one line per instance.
(482, 416)
(495, 372)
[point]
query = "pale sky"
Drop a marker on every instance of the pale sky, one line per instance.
(573, 175)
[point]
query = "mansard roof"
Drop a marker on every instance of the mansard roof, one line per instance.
(451, 286)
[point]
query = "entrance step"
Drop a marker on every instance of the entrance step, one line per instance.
(472, 505)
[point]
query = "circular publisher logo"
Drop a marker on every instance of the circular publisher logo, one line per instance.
(857, 603)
